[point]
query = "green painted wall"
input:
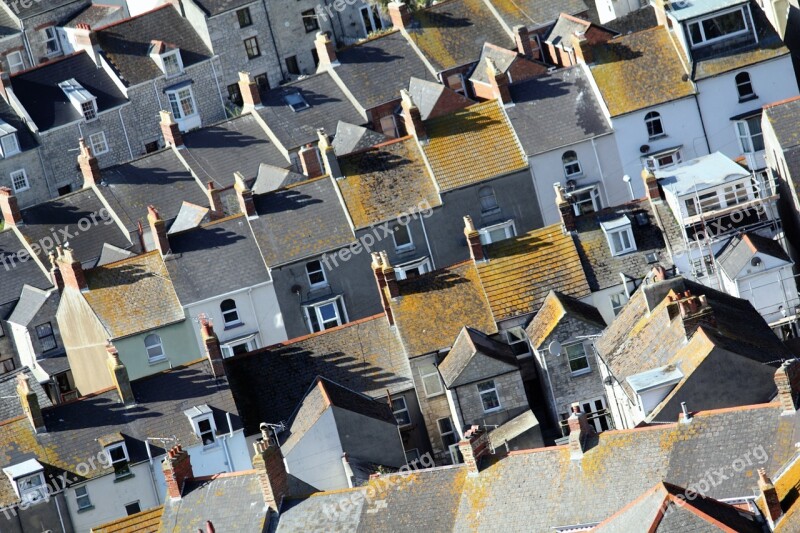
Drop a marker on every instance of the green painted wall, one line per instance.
(179, 344)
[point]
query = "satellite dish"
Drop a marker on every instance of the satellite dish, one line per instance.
(554, 348)
(755, 261)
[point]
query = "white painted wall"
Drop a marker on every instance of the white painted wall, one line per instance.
(609, 10)
(27, 355)
(602, 299)
(140, 6)
(317, 457)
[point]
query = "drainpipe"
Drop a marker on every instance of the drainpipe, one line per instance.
(702, 122)
(125, 131)
(152, 471)
(225, 444)
(272, 38)
(428, 244)
(60, 518)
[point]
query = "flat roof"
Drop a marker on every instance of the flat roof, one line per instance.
(701, 173)
(31, 466)
(653, 379)
(688, 9)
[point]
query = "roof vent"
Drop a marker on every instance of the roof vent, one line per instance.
(755, 261)
(644, 148)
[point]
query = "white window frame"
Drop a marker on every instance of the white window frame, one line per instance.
(15, 149)
(746, 137)
(175, 98)
(390, 130)
(493, 390)
(51, 38)
(35, 493)
(567, 164)
(623, 234)
(571, 358)
(14, 175)
(212, 430)
(316, 309)
(709, 201)
(89, 110)
(176, 54)
(160, 344)
(102, 143)
(651, 119)
(373, 14)
(423, 264)
(126, 459)
(235, 311)
(404, 409)
(443, 434)
(593, 198)
(296, 101)
(424, 377)
(83, 500)
(737, 192)
(321, 270)
(227, 349)
(699, 22)
(18, 64)
(508, 226)
(405, 246)
(618, 301)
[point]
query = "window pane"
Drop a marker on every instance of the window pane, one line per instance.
(724, 24)
(402, 237)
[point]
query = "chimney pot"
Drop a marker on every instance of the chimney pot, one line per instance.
(170, 130)
(12, 216)
(177, 467)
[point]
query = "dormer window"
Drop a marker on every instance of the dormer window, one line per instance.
(27, 478)
(717, 27)
(620, 235)
(202, 420)
(167, 57)
(172, 63)
(117, 454)
(296, 101)
(81, 99)
(8, 140)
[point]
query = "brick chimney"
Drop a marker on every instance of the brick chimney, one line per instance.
(400, 15)
(245, 195)
(412, 117)
(787, 380)
(523, 39)
(389, 276)
(251, 97)
(582, 49)
(170, 130)
(119, 374)
(474, 446)
(473, 240)
(87, 162)
(177, 467)
(213, 349)
(272, 474)
(329, 160)
(565, 209)
(498, 82)
(694, 311)
(651, 186)
(380, 279)
(158, 230)
(86, 39)
(326, 51)
(215, 201)
(772, 504)
(30, 403)
(55, 273)
(12, 216)
(71, 270)
(579, 431)
(310, 161)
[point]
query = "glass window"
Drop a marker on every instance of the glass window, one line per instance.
(400, 410)
(310, 22)
(296, 101)
(19, 180)
(244, 17)
(576, 354)
(402, 238)
(172, 65)
(691, 207)
(251, 47)
(430, 379)
(709, 201)
(370, 19)
(518, 340)
(205, 431)
(717, 27)
(489, 397)
(389, 126)
(618, 301)
(572, 166)
(751, 139)
(744, 86)
(621, 241)
(230, 315)
(735, 194)
(292, 67)
(47, 339)
(82, 497)
(488, 200)
(326, 315)
(498, 232)
(32, 488)
(586, 201)
(51, 41)
(9, 145)
(182, 103)
(89, 110)
(654, 126)
(316, 274)
(155, 350)
(413, 269)
(132, 508)
(447, 432)
(15, 62)
(118, 454)
(98, 143)
(262, 81)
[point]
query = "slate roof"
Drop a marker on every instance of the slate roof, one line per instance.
(328, 105)
(523, 269)
(433, 308)
(31, 299)
(65, 214)
(623, 70)
(7, 24)
(784, 118)
(434, 99)
(215, 7)
(535, 13)
(38, 8)
(479, 138)
(350, 138)
(73, 428)
(38, 91)
(365, 356)
(375, 70)
(555, 111)
(95, 15)
(300, 221)
(159, 179)
(25, 137)
(10, 406)
(638, 20)
(271, 178)
(232, 502)
(215, 259)
(126, 44)
(386, 181)
(456, 368)
(602, 268)
(133, 295)
(236, 145)
(742, 248)
(189, 217)
(566, 26)
(143, 522)
(15, 274)
(556, 306)
(452, 33)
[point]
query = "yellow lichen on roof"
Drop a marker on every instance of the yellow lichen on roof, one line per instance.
(385, 182)
(133, 295)
(639, 70)
(147, 521)
(472, 145)
(546, 320)
(432, 309)
(522, 270)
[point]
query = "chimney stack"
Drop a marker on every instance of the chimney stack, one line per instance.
(251, 97)
(474, 446)
(331, 163)
(12, 216)
(523, 39)
(213, 349)
(389, 276)
(579, 431)
(651, 186)
(787, 381)
(582, 49)
(177, 467)
(86, 39)
(380, 279)
(272, 474)
(695, 311)
(245, 195)
(90, 168)
(30, 403)
(158, 230)
(119, 374)
(400, 15)
(310, 161)
(473, 240)
(412, 117)
(498, 82)
(565, 209)
(71, 270)
(772, 503)
(170, 130)
(55, 273)
(326, 51)
(215, 201)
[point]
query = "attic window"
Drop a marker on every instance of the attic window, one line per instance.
(172, 63)
(498, 232)
(202, 420)
(619, 235)
(717, 27)
(8, 139)
(27, 478)
(81, 99)
(118, 457)
(296, 101)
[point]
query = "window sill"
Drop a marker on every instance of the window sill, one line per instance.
(434, 395)
(126, 477)
(657, 137)
(318, 287)
(85, 509)
(153, 362)
(495, 410)
(233, 326)
(405, 249)
(581, 372)
(748, 98)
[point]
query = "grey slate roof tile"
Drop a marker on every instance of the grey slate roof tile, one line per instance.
(351, 138)
(742, 248)
(37, 8)
(10, 406)
(15, 274)
(496, 358)
(271, 178)
(30, 301)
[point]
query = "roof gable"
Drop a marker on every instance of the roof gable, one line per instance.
(434, 99)
(555, 307)
(475, 357)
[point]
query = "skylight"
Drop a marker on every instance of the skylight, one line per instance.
(296, 101)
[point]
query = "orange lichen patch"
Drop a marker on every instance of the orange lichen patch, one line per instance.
(385, 182)
(472, 145)
(522, 270)
(546, 320)
(143, 522)
(788, 484)
(623, 69)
